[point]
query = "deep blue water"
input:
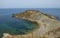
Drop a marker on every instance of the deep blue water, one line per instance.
(16, 26)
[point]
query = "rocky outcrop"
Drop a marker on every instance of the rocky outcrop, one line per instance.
(48, 26)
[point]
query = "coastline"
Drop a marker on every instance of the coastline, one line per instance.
(50, 25)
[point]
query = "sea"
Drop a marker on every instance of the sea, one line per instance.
(14, 26)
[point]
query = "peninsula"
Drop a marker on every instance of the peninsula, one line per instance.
(49, 27)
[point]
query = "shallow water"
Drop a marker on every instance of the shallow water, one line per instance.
(11, 25)
(8, 24)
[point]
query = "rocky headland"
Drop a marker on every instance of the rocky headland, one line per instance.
(49, 27)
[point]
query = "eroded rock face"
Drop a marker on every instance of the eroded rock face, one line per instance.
(48, 26)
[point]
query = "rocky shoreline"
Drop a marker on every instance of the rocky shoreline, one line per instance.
(47, 24)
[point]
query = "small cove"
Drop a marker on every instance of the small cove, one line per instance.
(14, 26)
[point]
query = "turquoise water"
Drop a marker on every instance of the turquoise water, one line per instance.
(11, 25)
